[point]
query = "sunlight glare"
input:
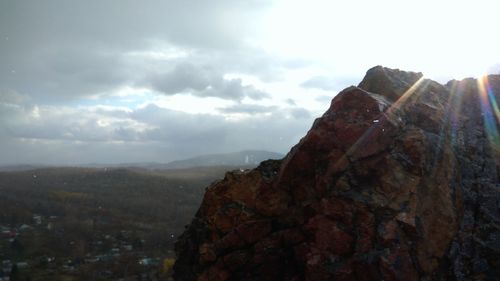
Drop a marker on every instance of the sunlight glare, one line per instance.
(491, 113)
(437, 38)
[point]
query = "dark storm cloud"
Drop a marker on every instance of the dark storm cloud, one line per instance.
(203, 82)
(128, 23)
(59, 72)
(185, 76)
(232, 89)
(57, 50)
(54, 54)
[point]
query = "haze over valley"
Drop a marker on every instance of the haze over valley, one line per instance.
(249, 140)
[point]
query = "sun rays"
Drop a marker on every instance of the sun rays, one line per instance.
(406, 95)
(490, 112)
(463, 100)
(378, 126)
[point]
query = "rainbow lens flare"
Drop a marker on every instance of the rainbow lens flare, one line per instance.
(491, 113)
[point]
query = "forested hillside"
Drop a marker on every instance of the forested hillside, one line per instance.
(96, 223)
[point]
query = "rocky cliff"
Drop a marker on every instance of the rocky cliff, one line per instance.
(398, 180)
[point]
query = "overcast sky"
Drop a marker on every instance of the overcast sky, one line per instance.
(113, 81)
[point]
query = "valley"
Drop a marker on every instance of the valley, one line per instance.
(96, 223)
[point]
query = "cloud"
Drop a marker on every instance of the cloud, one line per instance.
(216, 24)
(233, 89)
(202, 82)
(248, 109)
(324, 99)
(290, 102)
(320, 82)
(329, 83)
(300, 113)
(81, 48)
(62, 134)
(192, 134)
(184, 76)
(58, 75)
(9, 96)
(254, 109)
(62, 61)
(26, 120)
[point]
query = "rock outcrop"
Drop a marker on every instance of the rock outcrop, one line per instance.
(398, 180)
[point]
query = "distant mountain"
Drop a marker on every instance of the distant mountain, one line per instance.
(16, 168)
(242, 158)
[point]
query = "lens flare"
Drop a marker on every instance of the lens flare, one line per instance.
(491, 113)
(391, 112)
(406, 95)
(453, 111)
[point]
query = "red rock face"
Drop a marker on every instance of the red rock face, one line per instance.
(396, 181)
